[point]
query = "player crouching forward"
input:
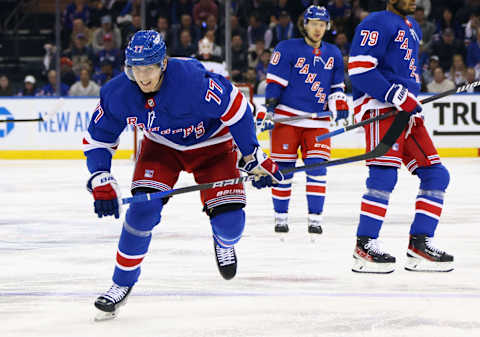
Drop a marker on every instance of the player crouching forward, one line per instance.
(383, 67)
(189, 117)
(303, 76)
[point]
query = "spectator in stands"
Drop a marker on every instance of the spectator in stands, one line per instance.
(85, 86)
(80, 28)
(217, 50)
(254, 55)
(186, 48)
(251, 78)
(180, 8)
(239, 58)
(284, 29)
(28, 87)
(464, 13)
(447, 47)
(107, 72)
(98, 10)
(185, 24)
(80, 54)
(210, 24)
(473, 52)
(163, 28)
(472, 27)
(342, 43)
(202, 10)
(77, 9)
(427, 74)
(439, 83)
(261, 68)
(49, 57)
(130, 28)
(426, 5)
(470, 78)
(67, 75)
(206, 51)
(257, 30)
(107, 27)
(458, 71)
(211, 62)
(5, 87)
(110, 53)
(428, 29)
(447, 22)
(50, 88)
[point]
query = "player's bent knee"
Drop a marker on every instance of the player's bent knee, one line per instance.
(433, 178)
(382, 178)
(319, 171)
(143, 216)
(228, 227)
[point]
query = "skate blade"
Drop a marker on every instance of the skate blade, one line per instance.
(422, 265)
(362, 266)
(105, 316)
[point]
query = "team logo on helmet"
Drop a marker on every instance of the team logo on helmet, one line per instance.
(316, 13)
(145, 48)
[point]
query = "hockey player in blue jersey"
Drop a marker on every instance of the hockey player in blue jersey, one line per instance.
(384, 70)
(304, 76)
(189, 117)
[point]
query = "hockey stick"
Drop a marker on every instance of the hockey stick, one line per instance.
(395, 130)
(21, 120)
(393, 112)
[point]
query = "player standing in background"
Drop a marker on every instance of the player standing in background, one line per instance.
(189, 117)
(303, 75)
(383, 67)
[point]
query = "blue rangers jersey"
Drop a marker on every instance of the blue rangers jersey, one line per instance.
(384, 51)
(302, 77)
(192, 109)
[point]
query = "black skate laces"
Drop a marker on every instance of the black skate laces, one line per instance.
(428, 243)
(225, 256)
(372, 245)
(116, 293)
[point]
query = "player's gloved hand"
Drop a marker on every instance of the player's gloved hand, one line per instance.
(266, 170)
(106, 193)
(264, 119)
(399, 96)
(337, 104)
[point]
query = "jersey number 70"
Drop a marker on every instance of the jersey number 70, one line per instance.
(212, 85)
(370, 37)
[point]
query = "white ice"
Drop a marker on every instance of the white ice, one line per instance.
(56, 257)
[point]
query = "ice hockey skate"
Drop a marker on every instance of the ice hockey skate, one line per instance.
(281, 225)
(226, 261)
(109, 303)
(423, 256)
(369, 258)
(315, 223)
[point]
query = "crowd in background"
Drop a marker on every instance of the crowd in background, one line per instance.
(94, 34)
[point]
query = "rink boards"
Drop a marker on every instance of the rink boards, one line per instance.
(453, 122)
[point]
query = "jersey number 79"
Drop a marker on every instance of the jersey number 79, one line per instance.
(370, 37)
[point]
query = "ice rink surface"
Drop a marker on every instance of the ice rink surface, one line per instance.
(56, 257)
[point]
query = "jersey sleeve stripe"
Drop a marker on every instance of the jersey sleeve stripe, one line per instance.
(91, 144)
(361, 64)
(236, 110)
(271, 78)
